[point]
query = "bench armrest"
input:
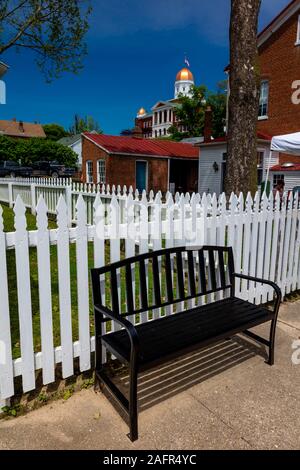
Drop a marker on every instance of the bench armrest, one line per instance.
(130, 329)
(264, 281)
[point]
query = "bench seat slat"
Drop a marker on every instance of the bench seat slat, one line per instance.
(174, 333)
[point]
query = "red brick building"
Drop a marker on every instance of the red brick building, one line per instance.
(141, 163)
(279, 59)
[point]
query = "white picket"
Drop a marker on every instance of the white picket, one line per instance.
(246, 244)
(254, 242)
(83, 285)
(287, 235)
(291, 255)
(157, 239)
(24, 296)
(99, 252)
(221, 229)
(169, 231)
(143, 240)
(45, 298)
(65, 310)
(6, 365)
(268, 245)
(130, 242)
(261, 245)
(115, 245)
(295, 278)
(275, 250)
(239, 241)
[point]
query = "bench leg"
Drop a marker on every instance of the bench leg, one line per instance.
(272, 343)
(98, 385)
(133, 403)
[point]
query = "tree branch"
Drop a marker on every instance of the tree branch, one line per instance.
(11, 12)
(21, 31)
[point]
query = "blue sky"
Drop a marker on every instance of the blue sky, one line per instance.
(135, 48)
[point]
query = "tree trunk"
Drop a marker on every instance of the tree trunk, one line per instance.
(241, 174)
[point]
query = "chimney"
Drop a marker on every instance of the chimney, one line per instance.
(21, 127)
(137, 132)
(208, 124)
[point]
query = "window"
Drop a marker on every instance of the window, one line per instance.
(260, 167)
(165, 131)
(155, 133)
(264, 99)
(101, 171)
(89, 171)
(298, 33)
(159, 132)
(276, 179)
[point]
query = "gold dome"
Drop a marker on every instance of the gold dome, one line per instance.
(141, 112)
(184, 74)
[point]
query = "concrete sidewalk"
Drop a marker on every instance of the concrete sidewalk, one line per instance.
(223, 397)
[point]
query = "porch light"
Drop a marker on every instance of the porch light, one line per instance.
(215, 167)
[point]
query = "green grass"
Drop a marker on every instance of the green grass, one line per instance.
(8, 217)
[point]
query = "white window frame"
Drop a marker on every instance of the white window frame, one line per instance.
(264, 116)
(99, 179)
(297, 43)
(261, 167)
(89, 176)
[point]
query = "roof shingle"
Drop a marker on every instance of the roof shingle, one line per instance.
(21, 129)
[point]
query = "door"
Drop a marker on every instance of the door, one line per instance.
(141, 176)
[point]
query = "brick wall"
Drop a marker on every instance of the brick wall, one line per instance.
(121, 169)
(280, 63)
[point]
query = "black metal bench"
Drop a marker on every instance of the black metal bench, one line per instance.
(201, 282)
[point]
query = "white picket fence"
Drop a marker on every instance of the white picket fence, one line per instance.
(30, 189)
(265, 236)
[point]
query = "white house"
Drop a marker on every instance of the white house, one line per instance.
(212, 163)
(3, 70)
(74, 142)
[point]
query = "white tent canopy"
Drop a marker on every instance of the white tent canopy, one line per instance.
(289, 143)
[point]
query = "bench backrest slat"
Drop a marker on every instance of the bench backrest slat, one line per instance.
(114, 291)
(222, 268)
(165, 277)
(129, 288)
(169, 283)
(212, 269)
(191, 267)
(143, 285)
(180, 275)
